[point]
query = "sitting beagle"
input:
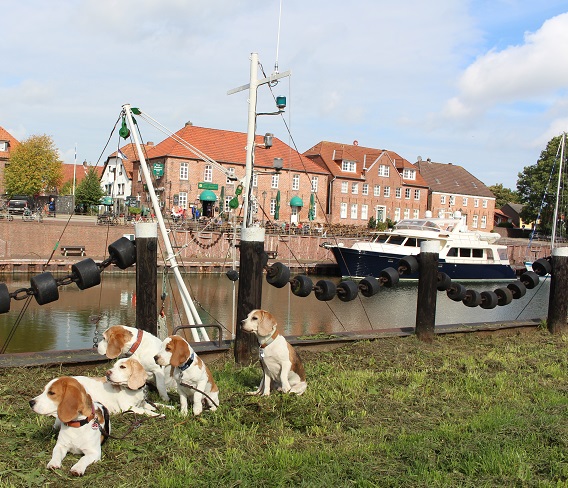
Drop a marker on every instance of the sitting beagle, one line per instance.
(280, 362)
(121, 340)
(122, 389)
(192, 376)
(83, 422)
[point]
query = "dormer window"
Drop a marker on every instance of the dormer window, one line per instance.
(3, 146)
(348, 166)
(409, 174)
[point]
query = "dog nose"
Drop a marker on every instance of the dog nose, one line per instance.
(156, 358)
(32, 403)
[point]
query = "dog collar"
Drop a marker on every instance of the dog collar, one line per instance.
(187, 364)
(85, 421)
(132, 350)
(270, 340)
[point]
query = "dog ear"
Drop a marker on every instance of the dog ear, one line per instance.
(71, 400)
(266, 323)
(137, 378)
(116, 339)
(180, 352)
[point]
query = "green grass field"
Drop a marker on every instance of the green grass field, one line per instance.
(472, 410)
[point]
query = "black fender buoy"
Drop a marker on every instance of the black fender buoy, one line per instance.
(408, 265)
(325, 290)
(472, 298)
(530, 279)
(86, 274)
(45, 288)
(389, 277)
(301, 286)
(123, 252)
(518, 288)
(347, 291)
(456, 292)
(4, 298)
(278, 275)
(488, 299)
(444, 281)
(542, 267)
(504, 296)
(369, 286)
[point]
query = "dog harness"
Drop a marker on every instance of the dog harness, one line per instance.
(132, 350)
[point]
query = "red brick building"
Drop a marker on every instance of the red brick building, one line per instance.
(367, 182)
(7, 144)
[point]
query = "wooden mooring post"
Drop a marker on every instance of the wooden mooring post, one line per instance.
(427, 291)
(558, 297)
(147, 276)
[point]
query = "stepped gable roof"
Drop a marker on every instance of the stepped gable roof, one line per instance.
(331, 155)
(12, 143)
(79, 172)
(228, 147)
(451, 178)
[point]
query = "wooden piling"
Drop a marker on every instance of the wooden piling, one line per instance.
(147, 277)
(250, 289)
(558, 297)
(427, 291)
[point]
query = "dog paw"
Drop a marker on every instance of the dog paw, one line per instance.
(52, 465)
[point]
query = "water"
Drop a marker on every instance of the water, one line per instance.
(69, 323)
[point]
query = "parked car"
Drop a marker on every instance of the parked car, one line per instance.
(18, 203)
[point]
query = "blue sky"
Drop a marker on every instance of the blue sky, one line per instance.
(482, 84)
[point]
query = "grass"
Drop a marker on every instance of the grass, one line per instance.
(468, 410)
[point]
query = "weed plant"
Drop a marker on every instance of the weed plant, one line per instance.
(467, 410)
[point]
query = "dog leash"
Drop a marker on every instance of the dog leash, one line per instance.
(202, 392)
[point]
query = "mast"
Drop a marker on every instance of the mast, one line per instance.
(555, 219)
(188, 305)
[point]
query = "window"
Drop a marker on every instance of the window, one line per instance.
(442, 199)
(226, 207)
(452, 200)
(355, 188)
(377, 190)
(184, 171)
(182, 202)
(464, 202)
(415, 213)
(255, 180)
(387, 191)
(365, 190)
(348, 166)
(272, 206)
(397, 214)
(121, 188)
(407, 193)
(484, 221)
(314, 184)
(484, 203)
(344, 187)
(231, 172)
(398, 192)
(474, 221)
(409, 174)
(476, 202)
(364, 212)
(441, 213)
(416, 194)
(296, 182)
(353, 210)
(383, 170)
(275, 180)
(343, 210)
(406, 213)
(208, 174)
(3, 146)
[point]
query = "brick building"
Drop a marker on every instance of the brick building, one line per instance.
(367, 182)
(7, 144)
(454, 188)
(184, 179)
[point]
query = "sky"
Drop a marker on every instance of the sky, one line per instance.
(478, 83)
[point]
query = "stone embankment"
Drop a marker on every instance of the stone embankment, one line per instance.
(28, 246)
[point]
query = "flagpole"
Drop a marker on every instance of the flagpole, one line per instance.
(74, 170)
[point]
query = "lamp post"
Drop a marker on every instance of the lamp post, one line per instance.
(263, 206)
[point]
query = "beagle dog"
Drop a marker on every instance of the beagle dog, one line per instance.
(82, 422)
(280, 362)
(121, 340)
(122, 389)
(193, 378)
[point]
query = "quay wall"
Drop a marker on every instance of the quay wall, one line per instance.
(36, 242)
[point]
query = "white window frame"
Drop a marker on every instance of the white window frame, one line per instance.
(406, 213)
(274, 181)
(416, 213)
(272, 206)
(384, 170)
(396, 214)
(344, 186)
(377, 191)
(355, 188)
(484, 204)
(348, 166)
(231, 172)
(442, 199)
(476, 202)
(387, 191)
(343, 210)
(364, 212)
(354, 210)
(255, 180)
(452, 200)
(398, 192)
(315, 181)
(409, 174)
(365, 189)
(484, 221)
(184, 171)
(182, 199)
(295, 182)
(208, 173)
(474, 221)
(407, 193)
(417, 194)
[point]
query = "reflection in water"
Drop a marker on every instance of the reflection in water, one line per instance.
(69, 323)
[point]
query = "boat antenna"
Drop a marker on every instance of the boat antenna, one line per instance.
(278, 40)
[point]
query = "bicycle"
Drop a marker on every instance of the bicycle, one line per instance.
(30, 216)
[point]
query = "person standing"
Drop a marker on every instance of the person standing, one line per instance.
(52, 207)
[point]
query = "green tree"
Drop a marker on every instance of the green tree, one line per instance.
(89, 191)
(35, 167)
(504, 195)
(536, 186)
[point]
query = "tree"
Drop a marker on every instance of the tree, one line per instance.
(89, 191)
(537, 184)
(34, 169)
(504, 195)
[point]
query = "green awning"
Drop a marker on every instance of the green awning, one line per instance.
(296, 202)
(207, 196)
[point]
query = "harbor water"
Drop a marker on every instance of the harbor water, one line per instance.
(71, 322)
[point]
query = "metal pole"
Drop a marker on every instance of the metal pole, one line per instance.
(427, 291)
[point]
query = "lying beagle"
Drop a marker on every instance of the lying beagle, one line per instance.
(81, 422)
(121, 340)
(192, 376)
(122, 389)
(280, 362)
